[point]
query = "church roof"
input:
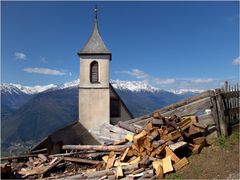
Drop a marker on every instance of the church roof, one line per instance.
(95, 44)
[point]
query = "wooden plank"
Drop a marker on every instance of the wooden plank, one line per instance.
(120, 142)
(140, 135)
(79, 160)
(194, 131)
(111, 160)
(115, 129)
(177, 145)
(231, 111)
(199, 140)
(182, 103)
(95, 147)
(207, 119)
(158, 143)
(157, 115)
(105, 158)
(191, 108)
(200, 125)
(214, 111)
(220, 107)
(231, 94)
(197, 148)
(157, 166)
(180, 164)
(124, 154)
(154, 134)
(18, 157)
(119, 172)
(173, 135)
(129, 137)
(170, 153)
(131, 121)
(127, 126)
(135, 161)
(187, 122)
(93, 175)
(167, 164)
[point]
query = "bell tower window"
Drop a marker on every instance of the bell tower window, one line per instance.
(94, 76)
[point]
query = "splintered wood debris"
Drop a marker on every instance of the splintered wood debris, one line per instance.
(158, 148)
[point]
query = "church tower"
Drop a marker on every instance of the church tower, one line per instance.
(94, 93)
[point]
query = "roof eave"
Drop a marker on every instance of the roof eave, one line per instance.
(94, 53)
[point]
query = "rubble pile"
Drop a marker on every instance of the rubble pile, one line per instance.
(158, 148)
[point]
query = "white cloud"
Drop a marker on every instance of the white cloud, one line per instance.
(164, 81)
(70, 74)
(135, 73)
(45, 71)
(201, 80)
(20, 56)
(236, 61)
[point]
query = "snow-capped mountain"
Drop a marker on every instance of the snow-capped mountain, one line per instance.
(17, 88)
(134, 86)
(184, 91)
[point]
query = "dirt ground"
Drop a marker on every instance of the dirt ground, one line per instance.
(220, 160)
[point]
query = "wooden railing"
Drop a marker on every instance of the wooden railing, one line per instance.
(230, 95)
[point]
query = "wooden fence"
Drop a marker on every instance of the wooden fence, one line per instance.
(219, 109)
(231, 104)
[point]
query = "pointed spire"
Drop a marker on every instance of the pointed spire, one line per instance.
(96, 12)
(95, 44)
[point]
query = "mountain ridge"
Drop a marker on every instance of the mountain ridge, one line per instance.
(117, 84)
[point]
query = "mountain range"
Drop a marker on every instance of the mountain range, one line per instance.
(28, 114)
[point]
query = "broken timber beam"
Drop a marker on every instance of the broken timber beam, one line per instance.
(126, 126)
(18, 157)
(95, 147)
(79, 160)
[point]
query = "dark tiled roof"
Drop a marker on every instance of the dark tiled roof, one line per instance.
(95, 44)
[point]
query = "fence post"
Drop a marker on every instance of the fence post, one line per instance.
(214, 111)
(220, 107)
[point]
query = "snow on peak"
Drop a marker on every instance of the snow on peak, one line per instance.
(70, 84)
(133, 86)
(184, 91)
(18, 88)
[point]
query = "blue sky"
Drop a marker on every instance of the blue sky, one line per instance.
(166, 44)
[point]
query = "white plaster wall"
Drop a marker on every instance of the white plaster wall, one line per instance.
(103, 65)
(94, 98)
(94, 107)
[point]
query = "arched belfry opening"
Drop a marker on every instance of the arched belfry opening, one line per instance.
(94, 74)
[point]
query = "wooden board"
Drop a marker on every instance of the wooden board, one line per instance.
(170, 153)
(177, 145)
(197, 148)
(180, 164)
(124, 154)
(167, 164)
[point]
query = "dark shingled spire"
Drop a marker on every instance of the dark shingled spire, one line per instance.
(95, 44)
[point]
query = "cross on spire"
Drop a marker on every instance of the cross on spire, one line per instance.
(96, 11)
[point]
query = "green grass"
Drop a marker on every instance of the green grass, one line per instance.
(228, 141)
(221, 141)
(174, 176)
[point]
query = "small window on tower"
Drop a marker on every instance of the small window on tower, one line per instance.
(94, 72)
